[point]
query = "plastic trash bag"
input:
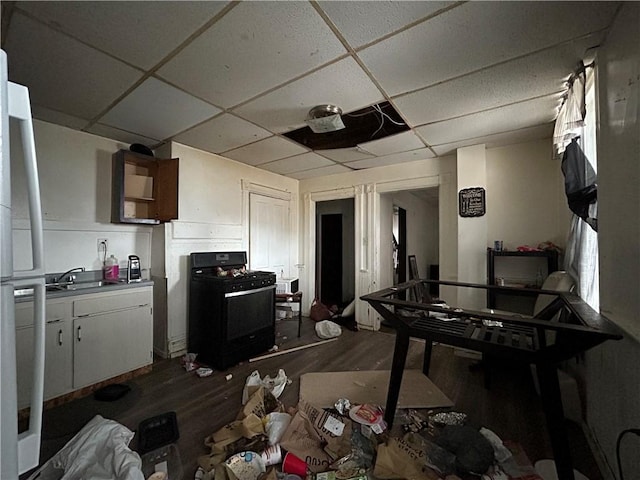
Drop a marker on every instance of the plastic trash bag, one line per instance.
(274, 385)
(99, 451)
(277, 424)
(328, 329)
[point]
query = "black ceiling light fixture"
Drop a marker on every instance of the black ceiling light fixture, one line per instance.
(345, 130)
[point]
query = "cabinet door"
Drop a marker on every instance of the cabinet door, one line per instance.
(110, 344)
(57, 360)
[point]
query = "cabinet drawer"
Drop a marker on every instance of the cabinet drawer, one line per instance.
(112, 302)
(54, 312)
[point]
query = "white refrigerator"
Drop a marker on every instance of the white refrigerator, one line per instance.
(19, 452)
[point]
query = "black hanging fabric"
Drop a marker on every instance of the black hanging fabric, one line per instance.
(580, 183)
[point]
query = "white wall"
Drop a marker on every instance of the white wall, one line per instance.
(472, 266)
(213, 216)
(74, 171)
(526, 204)
(610, 372)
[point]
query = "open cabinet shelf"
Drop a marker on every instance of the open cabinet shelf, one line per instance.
(145, 189)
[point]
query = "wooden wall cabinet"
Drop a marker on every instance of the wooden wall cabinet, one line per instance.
(145, 189)
(517, 270)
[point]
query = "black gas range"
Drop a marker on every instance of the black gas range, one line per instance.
(231, 309)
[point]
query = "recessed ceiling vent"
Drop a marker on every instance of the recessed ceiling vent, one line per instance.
(370, 123)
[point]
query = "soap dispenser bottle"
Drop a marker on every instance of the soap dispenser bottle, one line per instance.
(111, 269)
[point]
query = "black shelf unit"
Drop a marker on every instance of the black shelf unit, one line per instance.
(510, 299)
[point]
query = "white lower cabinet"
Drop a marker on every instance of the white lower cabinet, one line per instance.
(88, 338)
(112, 334)
(58, 350)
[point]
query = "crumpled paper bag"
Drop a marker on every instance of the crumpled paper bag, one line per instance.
(316, 436)
(397, 458)
(246, 433)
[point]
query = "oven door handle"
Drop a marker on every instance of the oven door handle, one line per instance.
(249, 292)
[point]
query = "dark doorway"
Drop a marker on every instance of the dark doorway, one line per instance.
(399, 246)
(330, 259)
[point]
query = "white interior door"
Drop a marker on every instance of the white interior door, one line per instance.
(269, 234)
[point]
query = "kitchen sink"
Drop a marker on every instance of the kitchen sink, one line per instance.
(80, 285)
(55, 287)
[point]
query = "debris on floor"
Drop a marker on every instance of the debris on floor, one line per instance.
(269, 441)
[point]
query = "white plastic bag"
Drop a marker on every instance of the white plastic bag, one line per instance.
(277, 424)
(274, 385)
(100, 451)
(328, 329)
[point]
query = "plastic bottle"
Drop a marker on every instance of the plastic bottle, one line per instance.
(111, 269)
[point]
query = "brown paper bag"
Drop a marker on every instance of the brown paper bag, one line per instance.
(309, 436)
(237, 436)
(399, 459)
(260, 403)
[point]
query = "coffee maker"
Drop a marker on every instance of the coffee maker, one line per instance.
(134, 273)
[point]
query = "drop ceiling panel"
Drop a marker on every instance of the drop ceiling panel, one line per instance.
(504, 119)
(156, 109)
(222, 133)
(343, 83)
(500, 139)
(396, 158)
(63, 74)
(120, 135)
(258, 46)
(267, 150)
(306, 161)
(141, 33)
(59, 118)
(531, 76)
(319, 172)
(401, 142)
(363, 22)
(344, 154)
(451, 44)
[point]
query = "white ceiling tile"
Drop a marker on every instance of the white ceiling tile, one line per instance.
(158, 110)
(344, 154)
(528, 77)
(63, 74)
(306, 161)
(402, 157)
(141, 33)
(258, 46)
(400, 142)
(343, 84)
(120, 135)
(475, 35)
(362, 22)
(222, 133)
(499, 139)
(512, 117)
(59, 118)
(263, 151)
(320, 172)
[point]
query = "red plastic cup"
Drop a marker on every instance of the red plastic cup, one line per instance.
(295, 465)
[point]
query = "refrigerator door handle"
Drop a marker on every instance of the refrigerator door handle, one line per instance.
(29, 440)
(20, 109)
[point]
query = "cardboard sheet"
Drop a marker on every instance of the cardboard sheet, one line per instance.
(322, 389)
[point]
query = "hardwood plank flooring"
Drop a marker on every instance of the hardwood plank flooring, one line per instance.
(510, 407)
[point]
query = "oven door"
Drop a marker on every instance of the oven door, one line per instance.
(249, 311)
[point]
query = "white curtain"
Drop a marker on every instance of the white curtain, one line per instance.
(577, 119)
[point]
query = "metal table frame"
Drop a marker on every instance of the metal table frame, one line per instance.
(562, 330)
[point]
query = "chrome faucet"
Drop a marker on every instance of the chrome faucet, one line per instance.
(61, 277)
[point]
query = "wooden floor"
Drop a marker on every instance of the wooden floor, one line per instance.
(510, 407)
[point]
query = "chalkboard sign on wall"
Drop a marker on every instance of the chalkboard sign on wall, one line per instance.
(471, 202)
